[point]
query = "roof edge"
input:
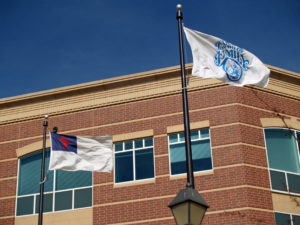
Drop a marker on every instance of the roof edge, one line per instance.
(86, 85)
(114, 80)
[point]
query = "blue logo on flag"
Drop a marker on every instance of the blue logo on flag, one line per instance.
(231, 58)
(65, 143)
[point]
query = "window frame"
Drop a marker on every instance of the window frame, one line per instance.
(133, 150)
(295, 131)
(53, 191)
(200, 138)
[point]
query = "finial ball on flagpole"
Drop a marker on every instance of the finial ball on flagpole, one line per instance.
(46, 116)
(179, 7)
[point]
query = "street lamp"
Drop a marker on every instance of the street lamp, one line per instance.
(188, 207)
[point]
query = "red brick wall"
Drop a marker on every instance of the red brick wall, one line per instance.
(240, 178)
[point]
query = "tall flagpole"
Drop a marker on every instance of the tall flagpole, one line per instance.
(187, 132)
(188, 206)
(41, 202)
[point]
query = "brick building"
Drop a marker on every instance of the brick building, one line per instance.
(244, 141)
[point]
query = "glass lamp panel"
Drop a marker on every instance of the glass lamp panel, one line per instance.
(197, 213)
(180, 213)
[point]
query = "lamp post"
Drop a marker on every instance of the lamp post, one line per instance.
(188, 207)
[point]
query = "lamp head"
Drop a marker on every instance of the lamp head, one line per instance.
(188, 207)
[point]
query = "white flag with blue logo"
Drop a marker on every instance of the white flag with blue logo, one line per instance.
(216, 58)
(81, 153)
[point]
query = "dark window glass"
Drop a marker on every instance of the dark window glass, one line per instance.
(138, 143)
(194, 134)
(144, 164)
(83, 198)
(181, 137)
(201, 155)
(48, 199)
(72, 179)
(282, 150)
(24, 206)
(283, 154)
(205, 133)
(173, 138)
(278, 181)
(178, 159)
(294, 183)
(63, 200)
(30, 175)
(123, 166)
(118, 146)
(29, 184)
(296, 220)
(128, 145)
(148, 142)
(282, 219)
(136, 162)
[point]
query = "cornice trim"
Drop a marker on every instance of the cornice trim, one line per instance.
(125, 89)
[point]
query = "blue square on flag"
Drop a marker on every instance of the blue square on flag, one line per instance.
(65, 143)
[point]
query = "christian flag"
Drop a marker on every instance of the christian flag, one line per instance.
(81, 153)
(219, 59)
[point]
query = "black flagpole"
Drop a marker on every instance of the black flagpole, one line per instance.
(187, 132)
(41, 202)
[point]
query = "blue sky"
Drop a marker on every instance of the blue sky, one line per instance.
(47, 44)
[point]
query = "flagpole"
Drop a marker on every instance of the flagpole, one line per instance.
(187, 132)
(41, 200)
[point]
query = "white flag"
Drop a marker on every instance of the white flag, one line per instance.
(81, 153)
(216, 58)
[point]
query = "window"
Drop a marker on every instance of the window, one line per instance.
(287, 219)
(134, 160)
(63, 190)
(283, 157)
(201, 151)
